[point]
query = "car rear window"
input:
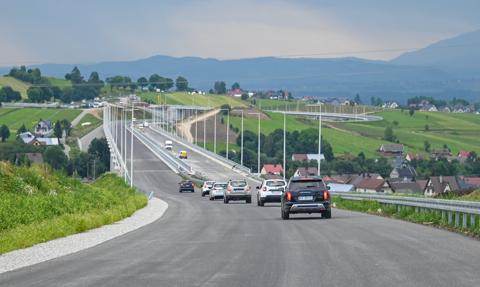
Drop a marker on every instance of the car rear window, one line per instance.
(275, 183)
(295, 185)
(239, 183)
(221, 185)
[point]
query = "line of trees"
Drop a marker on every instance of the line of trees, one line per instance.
(7, 94)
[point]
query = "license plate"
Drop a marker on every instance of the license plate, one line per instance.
(305, 198)
(239, 190)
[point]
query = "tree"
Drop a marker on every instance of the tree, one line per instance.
(55, 157)
(75, 77)
(395, 123)
(142, 82)
(99, 150)
(57, 129)
(4, 132)
(7, 94)
(66, 126)
(181, 84)
(357, 99)
(426, 146)
(244, 96)
(389, 135)
(235, 86)
(22, 129)
(427, 128)
(220, 87)
(411, 111)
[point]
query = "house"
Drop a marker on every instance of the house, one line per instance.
(370, 185)
(446, 110)
(472, 182)
(410, 156)
(391, 149)
(275, 169)
(404, 173)
(43, 128)
(29, 138)
(341, 187)
(33, 157)
(429, 108)
(463, 155)
(306, 171)
(390, 105)
(307, 157)
(235, 93)
(405, 187)
(441, 184)
(441, 153)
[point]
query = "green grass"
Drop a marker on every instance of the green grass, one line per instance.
(38, 205)
(221, 146)
(15, 84)
(61, 83)
(339, 140)
(181, 98)
(458, 131)
(79, 131)
(15, 117)
(406, 213)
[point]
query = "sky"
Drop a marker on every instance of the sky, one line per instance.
(87, 31)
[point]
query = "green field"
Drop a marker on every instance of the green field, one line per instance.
(341, 142)
(181, 98)
(38, 204)
(15, 84)
(61, 83)
(457, 131)
(15, 117)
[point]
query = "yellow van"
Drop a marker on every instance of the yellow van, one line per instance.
(182, 154)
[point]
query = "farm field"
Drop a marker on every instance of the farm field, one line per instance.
(457, 131)
(61, 83)
(180, 98)
(15, 117)
(15, 84)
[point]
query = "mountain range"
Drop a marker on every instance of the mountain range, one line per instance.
(444, 69)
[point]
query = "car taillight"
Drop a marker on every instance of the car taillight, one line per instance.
(289, 196)
(325, 195)
(264, 188)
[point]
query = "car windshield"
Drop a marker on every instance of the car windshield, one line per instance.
(295, 185)
(238, 183)
(274, 183)
(220, 185)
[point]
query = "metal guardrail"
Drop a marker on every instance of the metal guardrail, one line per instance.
(447, 207)
(170, 160)
(351, 117)
(202, 151)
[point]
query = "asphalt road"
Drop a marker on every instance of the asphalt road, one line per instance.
(202, 243)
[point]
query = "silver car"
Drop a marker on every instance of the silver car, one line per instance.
(217, 190)
(238, 190)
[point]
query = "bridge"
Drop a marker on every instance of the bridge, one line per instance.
(202, 243)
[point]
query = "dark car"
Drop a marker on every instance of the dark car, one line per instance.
(186, 185)
(306, 195)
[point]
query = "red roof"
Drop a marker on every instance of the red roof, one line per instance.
(464, 154)
(472, 180)
(371, 183)
(273, 168)
(299, 157)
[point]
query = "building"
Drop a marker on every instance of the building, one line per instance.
(441, 153)
(43, 128)
(371, 185)
(275, 169)
(472, 182)
(405, 187)
(441, 184)
(33, 157)
(341, 187)
(463, 155)
(429, 108)
(391, 149)
(307, 156)
(390, 105)
(404, 173)
(306, 171)
(29, 138)
(410, 156)
(235, 93)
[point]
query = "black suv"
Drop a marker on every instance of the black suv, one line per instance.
(306, 195)
(186, 185)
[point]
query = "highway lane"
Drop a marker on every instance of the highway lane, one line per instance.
(202, 243)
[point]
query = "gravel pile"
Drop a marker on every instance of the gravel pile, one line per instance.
(77, 242)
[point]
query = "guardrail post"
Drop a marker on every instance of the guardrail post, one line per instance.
(472, 220)
(464, 217)
(449, 218)
(457, 219)
(444, 215)
(416, 209)
(398, 208)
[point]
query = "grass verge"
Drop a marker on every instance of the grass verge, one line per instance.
(38, 205)
(425, 217)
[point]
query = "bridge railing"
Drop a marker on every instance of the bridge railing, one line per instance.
(448, 208)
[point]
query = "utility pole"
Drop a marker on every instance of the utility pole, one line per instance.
(319, 140)
(205, 133)
(241, 149)
(284, 144)
(258, 142)
(228, 129)
(215, 133)
(131, 149)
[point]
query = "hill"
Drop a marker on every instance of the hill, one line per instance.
(459, 55)
(15, 84)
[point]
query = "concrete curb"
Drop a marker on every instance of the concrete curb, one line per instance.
(81, 241)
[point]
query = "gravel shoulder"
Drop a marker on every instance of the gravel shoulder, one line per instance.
(77, 242)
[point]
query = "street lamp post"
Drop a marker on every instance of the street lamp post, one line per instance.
(284, 143)
(241, 143)
(319, 140)
(131, 150)
(258, 142)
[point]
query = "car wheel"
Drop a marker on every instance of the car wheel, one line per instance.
(203, 194)
(180, 190)
(225, 200)
(327, 214)
(260, 202)
(249, 200)
(285, 214)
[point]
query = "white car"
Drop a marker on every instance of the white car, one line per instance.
(206, 187)
(270, 191)
(168, 145)
(218, 190)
